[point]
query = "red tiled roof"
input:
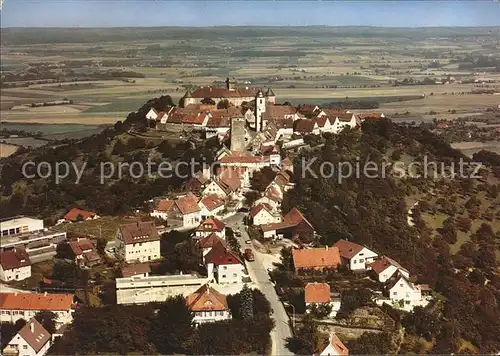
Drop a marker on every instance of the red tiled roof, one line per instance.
(210, 241)
(236, 158)
(317, 293)
(333, 112)
(218, 122)
(272, 193)
(35, 334)
(187, 204)
(316, 258)
(206, 298)
(278, 111)
(380, 265)
(164, 205)
(257, 208)
(211, 225)
(35, 301)
(141, 231)
(79, 246)
(135, 269)
(14, 258)
(231, 177)
(345, 117)
(307, 108)
(194, 119)
(212, 202)
(221, 255)
(294, 216)
(212, 92)
(304, 125)
(347, 249)
(74, 213)
(283, 123)
(160, 115)
(375, 115)
(321, 121)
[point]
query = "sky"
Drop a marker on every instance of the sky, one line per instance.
(146, 13)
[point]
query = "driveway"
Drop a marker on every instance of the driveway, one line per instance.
(259, 275)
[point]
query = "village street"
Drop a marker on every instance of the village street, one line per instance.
(260, 276)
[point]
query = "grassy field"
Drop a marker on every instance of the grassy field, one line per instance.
(300, 64)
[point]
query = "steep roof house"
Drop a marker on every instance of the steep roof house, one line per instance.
(32, 340)
(15, 265)
(76, 214)
(319, 294)
(224, 265)
(335, 347)
(316, 258)
(205, 244)
(211, 225)
(211, 205)
(138, 241)
(262, 214)
(384, 268)
(208, 305)
(355, 256)
(84, 252)
(294, 225)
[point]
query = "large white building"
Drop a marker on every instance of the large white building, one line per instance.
(355, 256)
(15, 265)
(15, 306)
(138, 241)
(32, 340)
(19, 225)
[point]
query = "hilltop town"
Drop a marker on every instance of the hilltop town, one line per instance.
(242, 244)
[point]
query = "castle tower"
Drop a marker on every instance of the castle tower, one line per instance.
(260, 109)
(271, 97)
(187, 99)
(231, 84)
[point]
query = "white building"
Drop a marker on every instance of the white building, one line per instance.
(262, 214)
(355, 256)
(208, 305)
(335, 347)
(224, 265)
(384, 268)
(211, 205)
(152, 114)
(405, 294)
(183, 208)
(214, 188)
(318, 294)
(138, 241)
(31, 340)
(15, 306)
(20, 225)
(15, 265)
(209, 226)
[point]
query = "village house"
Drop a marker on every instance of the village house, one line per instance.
(15, 306)
(31, 340)
(138, 241)
(152, 114)
(262, 214)
(335, 347)
(318, 259)
(208, 305)
(209, 226)
(355, 257)
(294, 225)
(340, 122)
(224, 265)
(205, 244)
(75, 215)
(271, 198)
(136, 270)
(309, 110)
(318, 294)
(211, 205)
(384, 268)
(404, 294)
(84, 252)
(15, 265)
(198, 182)
(306, 127)
(184, 209)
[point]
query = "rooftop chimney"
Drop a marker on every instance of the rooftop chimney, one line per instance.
(45, 294)
(32, 327)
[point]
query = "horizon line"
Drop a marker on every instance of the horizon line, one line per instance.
(246, 26)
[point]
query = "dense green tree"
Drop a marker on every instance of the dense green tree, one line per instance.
(306, 339)
(246, 308)
(47, 319)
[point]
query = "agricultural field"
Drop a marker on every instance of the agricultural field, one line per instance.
(106, 77)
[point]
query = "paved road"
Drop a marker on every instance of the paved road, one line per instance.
(259, 275)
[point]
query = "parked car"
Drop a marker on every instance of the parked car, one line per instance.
(249, 255)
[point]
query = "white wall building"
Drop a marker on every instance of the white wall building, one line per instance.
(335, 347)
(355, 256)
(262, 214)
(385, 267)
(15, 265)
(406, 294)
(208, 305)
(19, 225)
(31, 340)
(138, 241)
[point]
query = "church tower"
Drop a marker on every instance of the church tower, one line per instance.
(260, 109)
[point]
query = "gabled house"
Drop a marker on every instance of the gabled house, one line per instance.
(208, 305)
(306, 127)
(152, 114)
(84, 252)
(211, 225)
(343, 121)
(205, 244)
(31, 340)
(272, 198)
(189, 209)
(138, 241)
(354, 256)
(384, 268)
(136, 270)
(75, 215)
(309, 110)
(335, 347)
(15, 306)
(316, 259)
(224, 265)
(402, 291)
(165, 209)
(318, 294)
(211, 205)
(262, 214)
(215, 188)
(294, 225)
(15, 265)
